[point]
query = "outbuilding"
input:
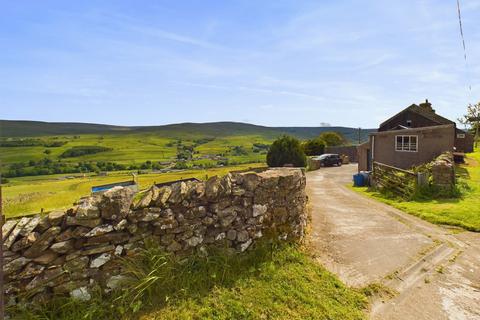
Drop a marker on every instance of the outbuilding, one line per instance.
(412, 137)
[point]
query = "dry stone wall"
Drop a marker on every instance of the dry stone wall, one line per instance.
(70, 252)
(443, 171)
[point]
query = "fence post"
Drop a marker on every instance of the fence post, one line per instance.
(422, 179)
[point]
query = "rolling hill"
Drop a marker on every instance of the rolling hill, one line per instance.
(16, 128)
(40, 148)
(45, 162)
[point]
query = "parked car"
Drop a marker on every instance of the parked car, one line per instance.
(330, 159)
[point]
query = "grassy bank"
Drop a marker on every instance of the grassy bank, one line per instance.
(462, 212)
(28, 195)
(268, 282)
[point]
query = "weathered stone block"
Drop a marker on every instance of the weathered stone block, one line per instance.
(15, 265)
(63, 247)
(25, 242)
(42, 243)
(100, 260)
(30, 226)
(46, 258)
(113, 237)
(56, 217)
(7, 227)
(89, 223)
(100, 230)
(15, 232)
(115, 203)
(98, 249)
(163, 196)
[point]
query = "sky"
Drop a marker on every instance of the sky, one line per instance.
(276, 63)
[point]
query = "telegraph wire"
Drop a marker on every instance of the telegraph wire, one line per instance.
(469, 84)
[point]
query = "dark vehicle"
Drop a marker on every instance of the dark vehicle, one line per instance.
(329, 159)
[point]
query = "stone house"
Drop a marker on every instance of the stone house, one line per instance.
(414, 136)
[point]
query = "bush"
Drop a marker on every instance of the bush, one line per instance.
(314, 147)
(286, 150)
(333, 138)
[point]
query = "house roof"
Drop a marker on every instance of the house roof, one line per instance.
(426, 112)
(412, 130)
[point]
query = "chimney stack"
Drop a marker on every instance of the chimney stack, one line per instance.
(427, 105)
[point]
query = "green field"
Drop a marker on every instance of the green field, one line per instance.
(28, 195)
(50, 165)
(133, 148)
(461, 212)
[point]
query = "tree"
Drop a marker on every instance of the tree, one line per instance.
(47, 152)
(314, 147)
(286, 150)
(472, 119)
(332, 138)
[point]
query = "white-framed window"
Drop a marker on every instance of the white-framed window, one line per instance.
(461, 135)
(406, 143)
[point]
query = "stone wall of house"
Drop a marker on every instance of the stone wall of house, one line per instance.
(70, 252)
(443, 171)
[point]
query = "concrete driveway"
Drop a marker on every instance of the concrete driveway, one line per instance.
(434, 271)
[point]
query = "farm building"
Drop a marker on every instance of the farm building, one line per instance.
(412, 137)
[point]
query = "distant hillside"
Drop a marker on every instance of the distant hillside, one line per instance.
(213, 129)
(13, 128)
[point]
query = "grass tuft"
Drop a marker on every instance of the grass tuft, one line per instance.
(271, 281)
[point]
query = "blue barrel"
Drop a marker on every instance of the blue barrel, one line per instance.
(358, 180)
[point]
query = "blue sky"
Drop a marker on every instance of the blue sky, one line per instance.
(278, 63)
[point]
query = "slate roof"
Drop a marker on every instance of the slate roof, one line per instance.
(424, 112)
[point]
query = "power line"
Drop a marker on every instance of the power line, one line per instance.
(464, 47)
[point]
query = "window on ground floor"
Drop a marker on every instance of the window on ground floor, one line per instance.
(406, 143)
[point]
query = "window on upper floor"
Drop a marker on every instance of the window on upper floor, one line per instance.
(406, 143)
(409, 123)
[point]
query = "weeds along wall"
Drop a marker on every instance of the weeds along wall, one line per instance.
(75, 251)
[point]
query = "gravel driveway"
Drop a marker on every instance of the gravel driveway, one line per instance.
(434, 270)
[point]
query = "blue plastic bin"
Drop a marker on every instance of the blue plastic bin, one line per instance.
(358, 180)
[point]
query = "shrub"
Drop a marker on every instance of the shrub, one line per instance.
(286, 150)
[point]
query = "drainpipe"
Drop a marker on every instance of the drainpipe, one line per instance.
(373, 149)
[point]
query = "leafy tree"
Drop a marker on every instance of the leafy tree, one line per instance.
(472, 119)
(314, 147)
(47, 152)
(181, 165)
(332, 138)
(239, 151)
(286, 150)
(83, 150)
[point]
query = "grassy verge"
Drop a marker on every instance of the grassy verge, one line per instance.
(27, 195)
(461, 212)
(269, 282)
